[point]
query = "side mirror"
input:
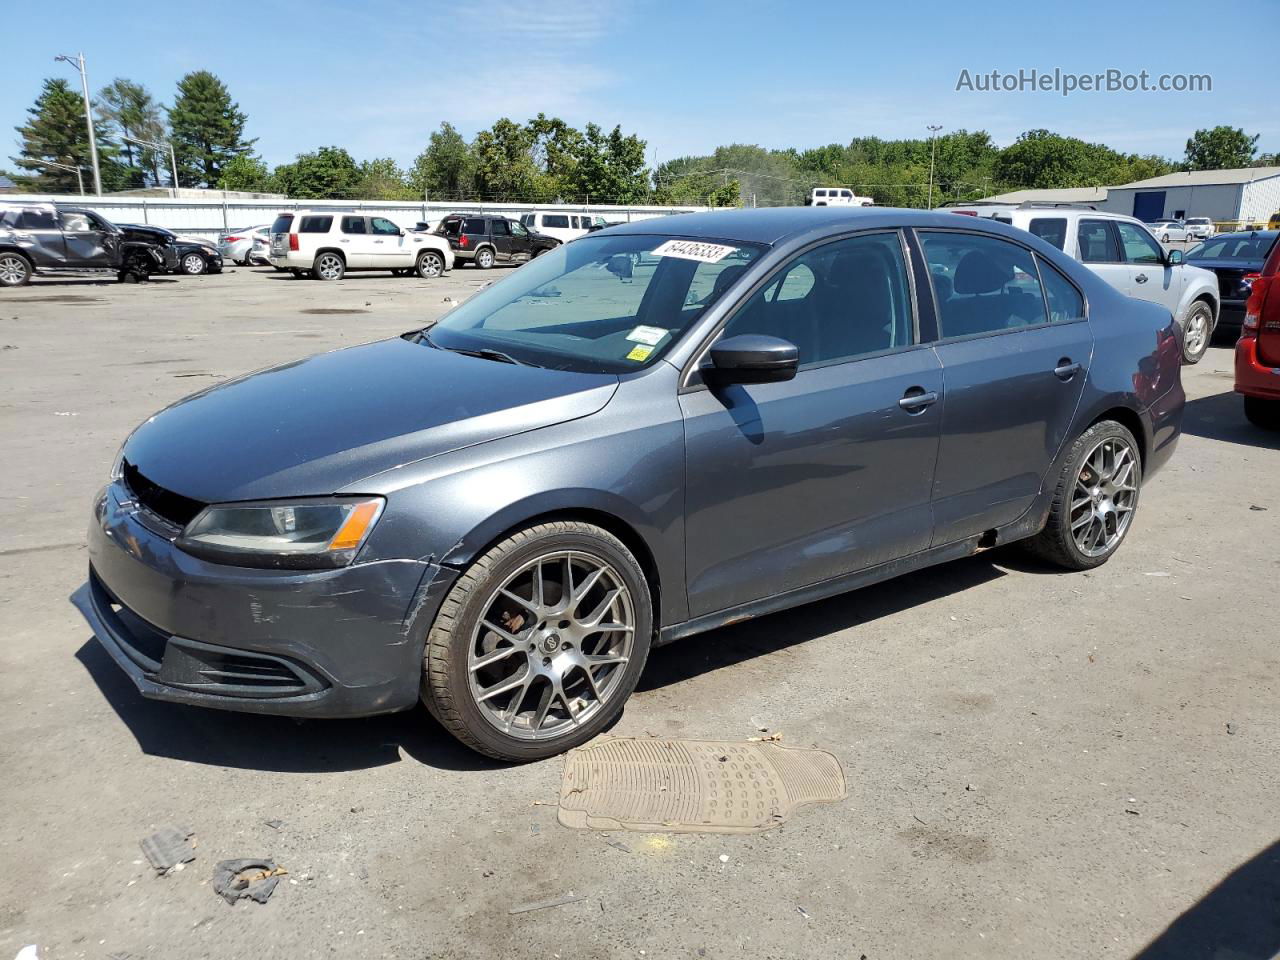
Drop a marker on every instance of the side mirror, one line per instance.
(620, 266)
(751, 358)
(1173, 258)
(401, 231)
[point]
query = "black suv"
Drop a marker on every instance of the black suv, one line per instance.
(486, 240)
(35, 237)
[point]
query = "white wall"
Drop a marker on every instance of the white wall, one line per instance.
(211, 218)
(1261, 199)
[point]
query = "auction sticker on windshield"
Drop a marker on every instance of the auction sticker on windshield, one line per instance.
(649, 335)
(693, 250)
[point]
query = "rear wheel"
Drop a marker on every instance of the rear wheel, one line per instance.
(15, 270)
(484, 258)
(430, 265)
(540, 642)
(1095, 499)
(1263, 412)
(1198, 330)
(329, 266)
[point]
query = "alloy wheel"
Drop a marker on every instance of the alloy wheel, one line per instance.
(430, 265)
(329, 266)
(13, 271)
(1104, 497)
(1197, 331)
(192, 263)
(550, 649)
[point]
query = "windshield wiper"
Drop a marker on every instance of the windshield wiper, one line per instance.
(484, 353)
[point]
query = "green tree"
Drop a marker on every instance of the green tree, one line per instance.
(329, 173)
(247, 173)
(129, 108)
(504, 167)
(446, 168)
(55, 131)
(1040, 158)
(1222, 148)
(208, 128)
(610, 167)
(381, 179)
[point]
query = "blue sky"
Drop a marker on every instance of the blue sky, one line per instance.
(378, 77)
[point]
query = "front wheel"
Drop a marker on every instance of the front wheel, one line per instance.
(1095, 499)
(430, 265)
(329, 266)
(15, 270)
(1262, 412)
(193, 264)
(540, 642)
(1198, 332)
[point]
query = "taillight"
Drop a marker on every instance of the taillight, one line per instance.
(462, 240)
(231, 239)
(293, 241)
(1253, 308)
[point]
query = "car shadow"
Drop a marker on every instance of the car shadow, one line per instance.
(280, 744)
(1221, 417)
(1237, 919)
(727, 646)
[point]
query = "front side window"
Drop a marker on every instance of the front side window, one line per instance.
(1051, 230)
(518, 229)
(1139, 246)
(839, 301)
(384, 227)
(501, 229)
(76, 223)
(600, 304)
(353, 225)
(1065, 302)
(315, 225)
(1097, 242)
(991, 284)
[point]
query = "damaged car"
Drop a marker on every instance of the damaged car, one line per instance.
(656, 430)
(41, 237)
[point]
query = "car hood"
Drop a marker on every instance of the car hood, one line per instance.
(316, 426)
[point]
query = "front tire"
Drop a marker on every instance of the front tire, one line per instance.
(430, 265)
(1095, 499)
(484, 258)
(1262, 412)
(193, 265)
(15, 270)
(540, 642)
(1197, 332)
(329, 266)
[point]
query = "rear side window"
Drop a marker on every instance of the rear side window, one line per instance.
(1097, 242)
(1065, 302)
(474, 225)
(1051, 230)
(315, 225)
(353, 225)
(555, 220)
(991, 284)
(35, 219)
(282, 223)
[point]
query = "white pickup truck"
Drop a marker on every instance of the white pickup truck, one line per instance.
(325, 244)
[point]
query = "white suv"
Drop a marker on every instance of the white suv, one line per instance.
(325, 244)
(1123, 252)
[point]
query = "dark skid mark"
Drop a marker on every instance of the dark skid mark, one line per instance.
(335, 311)
(61, 298)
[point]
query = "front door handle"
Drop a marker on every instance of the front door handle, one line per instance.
(917, 399)
(1140, 278)
(1066, 369)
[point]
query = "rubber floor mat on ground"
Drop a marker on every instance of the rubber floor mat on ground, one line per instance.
(692, 786)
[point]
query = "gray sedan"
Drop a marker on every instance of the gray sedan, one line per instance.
(656, 430)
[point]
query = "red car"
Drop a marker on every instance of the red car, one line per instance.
(1258, 350)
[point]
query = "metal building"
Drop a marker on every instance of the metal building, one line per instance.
(1249, 195)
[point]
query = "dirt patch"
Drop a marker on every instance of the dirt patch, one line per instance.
(333, 311)
(934, 842)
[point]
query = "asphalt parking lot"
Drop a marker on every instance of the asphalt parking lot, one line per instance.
(1039, 764)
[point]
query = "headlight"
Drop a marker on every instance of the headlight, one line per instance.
(209, 250)
(307, 534)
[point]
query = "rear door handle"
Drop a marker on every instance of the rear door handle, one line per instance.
(917, 399)
(1066, 369)
(1140, 278)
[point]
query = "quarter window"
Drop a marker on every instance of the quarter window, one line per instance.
(1065, 302)
(836, 302)
(1052, 230)
(1139, 246)
(1097, 242)
(315, 225)
(353, 225)
(984, 284)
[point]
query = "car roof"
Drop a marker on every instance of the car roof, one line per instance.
(771, 225)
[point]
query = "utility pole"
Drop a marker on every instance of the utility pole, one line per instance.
(933, 149)
(78, 63)
(63, 166)
(159, 145)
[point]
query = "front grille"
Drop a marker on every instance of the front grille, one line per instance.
(170, 506)
(222, 671)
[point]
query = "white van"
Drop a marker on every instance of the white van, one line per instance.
(836, 197)
(563, 226)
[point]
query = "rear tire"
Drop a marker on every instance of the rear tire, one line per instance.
(1262, 412)
(484, 258)
(547, 718)
(1087, 500)
(329, 266)
(15, 270)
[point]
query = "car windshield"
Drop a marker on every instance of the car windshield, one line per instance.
(601, 304)
(1254, 246)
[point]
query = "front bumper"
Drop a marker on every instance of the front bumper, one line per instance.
(1252, 378)
(325, 643)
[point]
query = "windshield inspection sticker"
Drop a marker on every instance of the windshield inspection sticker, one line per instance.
(639, 354)
(650, 335)
(693, 250)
